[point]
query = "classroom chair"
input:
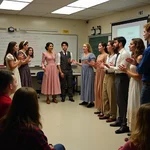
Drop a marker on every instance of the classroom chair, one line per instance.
(39, 81)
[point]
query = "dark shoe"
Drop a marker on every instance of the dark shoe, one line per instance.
(54, 100)
(63, 99)
(90, 105)
(48, 101)
(129, 134)
(71, 99)
(83, 103)
(100, 115)
(97, 112)
(122, 129)
(116, 124)
(111, 120)
(103, 117)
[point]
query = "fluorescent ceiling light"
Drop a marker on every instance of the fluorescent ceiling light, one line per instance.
(12, 5)
(86, 3)
(67, 10)
(20, 0)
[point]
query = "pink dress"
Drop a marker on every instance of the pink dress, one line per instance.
(50, 83)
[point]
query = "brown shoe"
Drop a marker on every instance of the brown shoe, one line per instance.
(111, 120)
(100, 115)
(54, 100)
(48, 101)
(104, 117)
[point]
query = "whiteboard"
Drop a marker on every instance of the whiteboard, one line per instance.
(38, 42)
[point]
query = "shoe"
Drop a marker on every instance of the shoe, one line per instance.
(122, 129)
(97, 112)
(90, 105)
(54, 100)
(100, 115)
(71, 99)
(111, 120)
(116, 124)
(83, 103)
(129, 134)
(63, 99)
(103, 117)
(48, 101)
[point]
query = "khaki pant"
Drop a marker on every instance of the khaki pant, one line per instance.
(109, 95)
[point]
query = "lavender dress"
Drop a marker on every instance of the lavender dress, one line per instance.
(87, 79)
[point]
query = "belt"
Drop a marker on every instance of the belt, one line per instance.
(146, 83)
(109, 72)
(120, 74)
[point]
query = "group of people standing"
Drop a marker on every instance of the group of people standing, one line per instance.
(17, 60)
(117, 80)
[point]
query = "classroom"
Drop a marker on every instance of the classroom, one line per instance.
(76, 127)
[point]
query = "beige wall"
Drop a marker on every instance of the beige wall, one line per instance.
(106, 21)
(78, 27)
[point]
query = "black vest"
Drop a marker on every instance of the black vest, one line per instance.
(65, 66)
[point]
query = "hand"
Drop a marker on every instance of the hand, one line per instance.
(62, 75)
(111, 64)
(86, 62)
(44, 69)
(122, 68)
(20, 57)
(107, 65)
(51, 147)
(74, 62)
(131, 61)
(92, 63)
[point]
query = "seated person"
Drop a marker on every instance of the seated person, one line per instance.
(8, 86)
(20, 129)
(140, 136)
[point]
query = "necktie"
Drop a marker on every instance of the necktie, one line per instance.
(116, 59)
(65, 53)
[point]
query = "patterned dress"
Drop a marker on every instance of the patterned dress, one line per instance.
(87, 79)
(24, 70)
(50, 83)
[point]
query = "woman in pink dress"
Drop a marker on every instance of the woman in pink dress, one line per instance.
(50, 83)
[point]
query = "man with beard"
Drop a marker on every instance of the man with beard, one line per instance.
(121, 84)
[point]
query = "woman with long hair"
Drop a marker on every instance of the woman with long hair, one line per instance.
(50, 83)
(24, 69)
(11, 62)
(108, 91)
(99, 77)
(140, 136)
(21, 127)
(87, 76)
(137, 48)
(30, 52)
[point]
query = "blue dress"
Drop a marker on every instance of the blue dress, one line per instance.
(87, 79)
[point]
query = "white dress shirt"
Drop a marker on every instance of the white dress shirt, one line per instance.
(58, 57)
(110, 59)
(121, 60)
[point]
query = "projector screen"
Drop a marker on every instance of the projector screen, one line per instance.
(129, 29)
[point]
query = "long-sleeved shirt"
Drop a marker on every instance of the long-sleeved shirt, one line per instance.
(58, 57)
(5, 102)
(144, 66)
(121, 60)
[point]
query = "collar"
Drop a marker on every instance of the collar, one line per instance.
(121, 51)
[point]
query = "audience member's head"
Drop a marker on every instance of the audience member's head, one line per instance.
(119, 42)
(24, 110)
(141, 134)
(8, 83)
(30, 52)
